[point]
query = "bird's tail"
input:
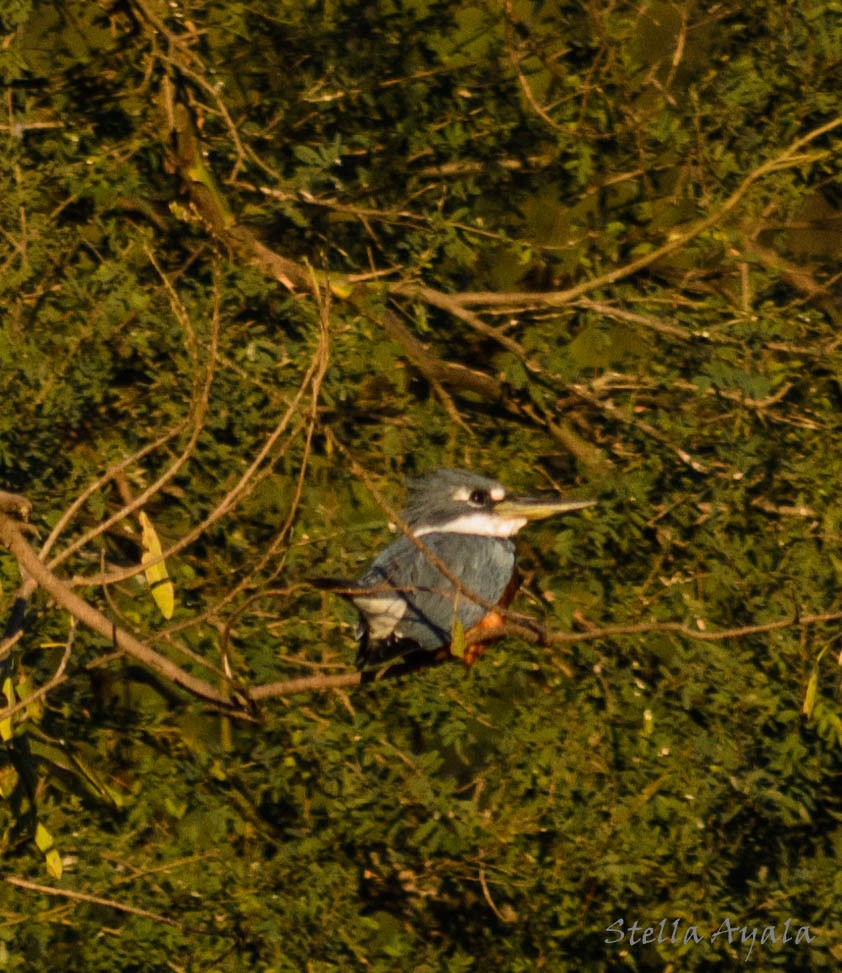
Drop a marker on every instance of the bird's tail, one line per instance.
(371, 654)
(396, 655)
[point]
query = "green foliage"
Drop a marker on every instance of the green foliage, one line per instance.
(549, 169)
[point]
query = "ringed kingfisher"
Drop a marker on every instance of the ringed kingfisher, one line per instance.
(453, 569)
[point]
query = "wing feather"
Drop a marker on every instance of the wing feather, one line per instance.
(408, 605)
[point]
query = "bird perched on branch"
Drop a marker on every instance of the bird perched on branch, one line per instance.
(451, 572)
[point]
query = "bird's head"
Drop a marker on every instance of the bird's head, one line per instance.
(461, 502)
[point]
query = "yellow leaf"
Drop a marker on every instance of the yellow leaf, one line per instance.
(8, 780)
(53, 861)
(810, 695)
(457, 639)
(157, 575)
(43, 838)
(6, 725)
(164, 595)
(44, 841)
(340, 290)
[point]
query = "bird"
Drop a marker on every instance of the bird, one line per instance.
(449, 575)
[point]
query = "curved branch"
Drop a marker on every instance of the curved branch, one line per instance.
(347, 680)
(237, 702)
(787, 159)
(312, 381)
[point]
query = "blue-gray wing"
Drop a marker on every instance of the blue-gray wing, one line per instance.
(407, 604)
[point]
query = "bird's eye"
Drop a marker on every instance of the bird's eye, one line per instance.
(478, 498)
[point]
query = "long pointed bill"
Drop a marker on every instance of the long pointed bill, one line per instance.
(537, 508)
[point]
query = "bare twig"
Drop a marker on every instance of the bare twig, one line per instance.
(697, 635)
(101, 481)
(77, 896)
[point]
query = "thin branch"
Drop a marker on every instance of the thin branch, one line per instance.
(446, 302)
(619, 414)
(391, 670)
(306, 684)
(645, 320)
(697, 635)
(106, 478)
(198, 410)
(312, 379)
(77, 896)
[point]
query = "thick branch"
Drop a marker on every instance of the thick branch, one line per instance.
(434, 369)
(11, 537)
(15, 504)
